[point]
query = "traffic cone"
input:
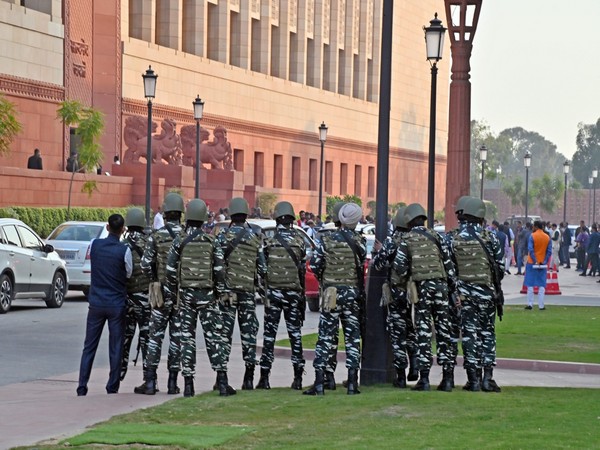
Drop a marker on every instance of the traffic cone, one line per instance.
(552, 287)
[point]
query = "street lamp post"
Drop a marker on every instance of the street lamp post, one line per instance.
(322, 138)
(499, 175)
(527, 163)
(149, 92)
(590, 181)
(566, 168)
(434, 42)
(483, 158)
(198, 111)
(594, 176)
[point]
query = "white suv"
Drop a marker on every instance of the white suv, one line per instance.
(29, 268)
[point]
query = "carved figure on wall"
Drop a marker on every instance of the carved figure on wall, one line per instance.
(134, 136)
(217, 153)
(165, 145)
(220, 148)
(188, 144)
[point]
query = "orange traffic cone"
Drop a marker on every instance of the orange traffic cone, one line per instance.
(552, 287)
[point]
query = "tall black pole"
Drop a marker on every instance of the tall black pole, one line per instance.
(197, 187)
(482, 175)
(432, 126)
(149, 163)
(321, 180)
(376, 351)
(526, 194)
(565, 203)
(594, 207)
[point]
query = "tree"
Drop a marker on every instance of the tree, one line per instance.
(9, 125)
(587, 156)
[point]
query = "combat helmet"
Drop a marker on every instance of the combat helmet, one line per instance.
(336, 211)
(475, 207)
(135, 218)
(460, 204)
(173, 202)
(196, 210)
(283, 209)
(413, 211)
(399, 221)
(238, 205)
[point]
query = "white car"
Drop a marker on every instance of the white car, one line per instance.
(29, 268)
(72, 241)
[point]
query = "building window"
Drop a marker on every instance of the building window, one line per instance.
(278, 171)
(296, 172)
(357, 180)
(371, 182)
(343, 179)
(329, 177)
(259, 167)
(238, 159)
(313, 174)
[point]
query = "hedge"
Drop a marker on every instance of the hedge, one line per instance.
(44, 220)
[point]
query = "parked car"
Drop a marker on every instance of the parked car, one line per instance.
(29, 268)
(72, 241)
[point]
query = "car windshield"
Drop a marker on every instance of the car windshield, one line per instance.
(76, 232)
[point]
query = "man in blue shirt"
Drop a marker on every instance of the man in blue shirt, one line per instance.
(111, 266)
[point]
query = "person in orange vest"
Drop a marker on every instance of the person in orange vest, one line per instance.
(539, 250)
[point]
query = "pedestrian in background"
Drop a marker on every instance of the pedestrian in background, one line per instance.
(567, 237)
(555, 236)
(539, 251)
(35, 161)
(581, 245)
(591, 248)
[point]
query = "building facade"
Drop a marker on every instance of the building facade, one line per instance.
(269, 71)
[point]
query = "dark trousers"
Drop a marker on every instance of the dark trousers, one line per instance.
(96, 319)
(566, 258)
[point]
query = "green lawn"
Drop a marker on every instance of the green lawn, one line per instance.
(560, 333)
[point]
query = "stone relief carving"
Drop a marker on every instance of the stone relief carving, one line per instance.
(176, 149)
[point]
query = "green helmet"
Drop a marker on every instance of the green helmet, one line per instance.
(283, 209)
(460, 204)
(135, 218)
(196, 210)
(336, 211)
(475, 207)
(238, 205)
(173, 202)
(413, 211)
(398, 221)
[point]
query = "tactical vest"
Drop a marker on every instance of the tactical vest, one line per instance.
(138, 282)
(472, 263)
(196, 263)
(163, 242)
(426, 262)
(282, 271)
(241, 263)
(340, 265)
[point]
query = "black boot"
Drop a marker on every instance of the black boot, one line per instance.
(297, 383)
(353, 382)
(224, 389)
(488, 384)
(148, 387)
(216, 385)
(400, 381)
(473, 381)
(248, 383)
(329, 381)
(317, 388)
(263, 382)
(188, 387)
(413, 371)
(447, 379)
(423, 383)
(172, 387)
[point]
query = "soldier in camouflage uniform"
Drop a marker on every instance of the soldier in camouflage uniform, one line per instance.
(399, 310)
(245, 262)
(428, 262)
(338, 262)
(195, 269)
(138, 307)
(154, 265)
(476, 292)
(285, 254)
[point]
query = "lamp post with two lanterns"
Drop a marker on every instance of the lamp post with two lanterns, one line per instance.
(482, 157)
(322, 138)
(566, 167)
(149, 92)
(198, 111)
(527, 164)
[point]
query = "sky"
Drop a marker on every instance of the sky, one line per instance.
(536, 65)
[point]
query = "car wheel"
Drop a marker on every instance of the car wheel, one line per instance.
(86, 290)
(58, 289)
(313, 303)
(7, 293)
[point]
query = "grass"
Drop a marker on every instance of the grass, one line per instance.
(381, 417)
(560, 333)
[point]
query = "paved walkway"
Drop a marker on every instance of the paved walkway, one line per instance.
(48, 409)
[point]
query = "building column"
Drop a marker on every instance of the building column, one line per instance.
(142, 15)
(194, 27)
(280, 44)
(298, 40)
(316, 41)
(169, 18)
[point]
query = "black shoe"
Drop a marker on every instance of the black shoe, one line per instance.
(224, 389)
(248, 383)
(172, 387)
(423, 383)
(329, 381)
(582, 274)
(529, 307)
(82, 391)
(488, 384)
(317, 387)
(447, 380)
(188, 387)
(352, 382)
(263, 382)
(148, 387)
(400, 381)
(473, 381)
(567, 267)
(413, 372)
(508, 272)
(297, 383)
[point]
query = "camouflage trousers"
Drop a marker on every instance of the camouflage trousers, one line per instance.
(455, 323)
(347, 311)
(478, 331)
(289, 302)
(248, 323)
(137, 315)
(168, 315)
(201, 305)
(401, 328)
(433, 308)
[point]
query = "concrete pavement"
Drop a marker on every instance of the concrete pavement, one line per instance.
(47, 410)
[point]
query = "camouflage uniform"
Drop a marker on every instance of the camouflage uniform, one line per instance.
(244, 264)
(285, 292)
(154, 265)
(138, 306)
(194, 273)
